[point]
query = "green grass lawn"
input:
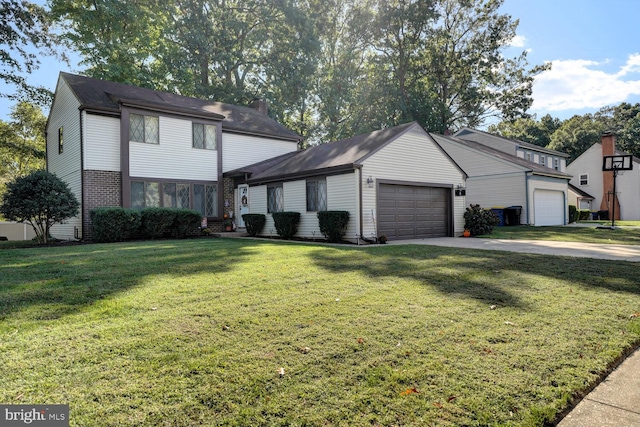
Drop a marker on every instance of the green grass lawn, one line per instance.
(619, 236)
(195, 332)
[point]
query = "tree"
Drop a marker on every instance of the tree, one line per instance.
(41, 199)
(22, 142)
(528, 129)
(576, 135)
(624, 121)
(24, 34)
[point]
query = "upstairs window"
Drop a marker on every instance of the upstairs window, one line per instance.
(143, 129)
(527, 156)
(204, 136)
(556, 164)
(60, 140)
(275, 198)
(317, 195)
(543, 160)
(584, 179)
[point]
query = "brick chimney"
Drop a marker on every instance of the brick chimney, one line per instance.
(608, 198)
(260, 105)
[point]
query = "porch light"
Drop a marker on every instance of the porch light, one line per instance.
(370, 181)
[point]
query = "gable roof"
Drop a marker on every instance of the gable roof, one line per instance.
(486, 138)
(338, 156)
(106, 96)
(525, 165)
(580, 192)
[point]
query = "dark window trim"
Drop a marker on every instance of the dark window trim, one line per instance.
(190, 183)
(204, 125)
(60, 139)
(306, 188)
(275, 185)
(144, 128)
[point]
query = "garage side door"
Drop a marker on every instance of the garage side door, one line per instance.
(548, 207)
(411, 212)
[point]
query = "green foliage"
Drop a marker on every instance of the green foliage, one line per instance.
(528, 129)
(286, 223)
(115, 224)
(577, 134)
(333, 224)
(573, 213)
(41, 199)
(584, 215)
(157, 222)
(479, 221)
(185, 223)
(254, 223)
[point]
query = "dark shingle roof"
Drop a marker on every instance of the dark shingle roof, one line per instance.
(106, 96)
(533, 167)
(482, 137)
(334, 156)
(580, 192)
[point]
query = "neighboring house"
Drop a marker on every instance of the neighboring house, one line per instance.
(396, 182)
(533, 153)
(580, 198)
(120, 145)
(496, 178)
(589, 177)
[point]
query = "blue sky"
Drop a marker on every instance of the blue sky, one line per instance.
(593, 46)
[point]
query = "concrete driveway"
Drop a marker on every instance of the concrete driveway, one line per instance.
(572, 249)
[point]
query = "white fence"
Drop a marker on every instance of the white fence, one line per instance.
(16, 231)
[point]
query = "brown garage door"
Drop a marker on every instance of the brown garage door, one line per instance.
(410, 212)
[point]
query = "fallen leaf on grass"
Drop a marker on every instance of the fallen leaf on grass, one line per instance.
(451, 398)
(634, 315)
(281, 372)
(409, 391)
(304, 350)
(508, 323)
(493, 307)
(437, 405)
(360, 341)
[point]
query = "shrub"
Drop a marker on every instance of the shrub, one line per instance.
(286, 223)
(333, 224)
(254, 223)
(40, 199)
(157, 222)
(115, 224)
(573, 214)
(186, 222)
(584, 214)
(479, 221)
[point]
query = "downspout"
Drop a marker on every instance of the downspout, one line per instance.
(526, 199)
(360, 213)
(79, 233)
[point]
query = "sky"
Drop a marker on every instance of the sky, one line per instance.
(593, 46)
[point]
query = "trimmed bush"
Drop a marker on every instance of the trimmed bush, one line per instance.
(573, 214)
(186, 222)
(254, 223)
(157, 222)
(115, 224)
(584, 214)
(286, 223)
(333, 224)
(479, 221)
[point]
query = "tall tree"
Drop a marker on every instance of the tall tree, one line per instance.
(576, 135)
(624, 121)
(528, 129)
(24, 35)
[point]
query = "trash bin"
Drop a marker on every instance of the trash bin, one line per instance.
(512, 215)
(603, 215)
(594, 216)
(499, 212)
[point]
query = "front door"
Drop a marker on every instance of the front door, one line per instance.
(243, 203)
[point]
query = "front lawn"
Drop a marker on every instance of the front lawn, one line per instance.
(251, 333)
(619, 236)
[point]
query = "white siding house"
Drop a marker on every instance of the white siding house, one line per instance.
(397, 182)
(134, 147)
(498, 179)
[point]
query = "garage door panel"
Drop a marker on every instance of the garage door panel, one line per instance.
(407, 212)
(549, 207)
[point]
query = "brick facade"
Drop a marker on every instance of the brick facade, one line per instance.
(100, 189)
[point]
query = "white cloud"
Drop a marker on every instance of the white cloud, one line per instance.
(579, 84)
(518, 41)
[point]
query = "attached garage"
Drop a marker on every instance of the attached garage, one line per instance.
(549, 207)
(413, 211)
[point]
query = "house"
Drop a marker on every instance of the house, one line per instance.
(396, 182)
(120, 145)
(501, 179)
(533, 153)
(589, 177)
(580, 198)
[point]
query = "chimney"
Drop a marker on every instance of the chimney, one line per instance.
(260, 105)
(608, 198)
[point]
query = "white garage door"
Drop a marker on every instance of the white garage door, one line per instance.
(548, 207)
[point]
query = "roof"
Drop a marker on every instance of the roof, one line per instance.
(342, 155)
(580, 192)
(525, 164)
(103, 95)
(486, 138)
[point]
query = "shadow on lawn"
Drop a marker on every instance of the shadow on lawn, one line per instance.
(479, 275)
(65, 280)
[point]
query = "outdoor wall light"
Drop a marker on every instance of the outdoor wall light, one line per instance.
(370, 181)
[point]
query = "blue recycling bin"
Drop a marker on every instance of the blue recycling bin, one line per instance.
(499, 212)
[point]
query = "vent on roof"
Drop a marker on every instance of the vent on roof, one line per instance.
(260, 105)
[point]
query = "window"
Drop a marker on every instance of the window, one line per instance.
(182, 196)
(275, 198)
(317, 195)
(584, 179)
(205, 199)
(543, 160)
(60, 140)
(204, 136)
(169, 196)
(527, 156)
(143, 128)
(200, 197)
(556, 164)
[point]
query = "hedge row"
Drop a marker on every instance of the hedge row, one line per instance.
(333, 224)
(120, 224)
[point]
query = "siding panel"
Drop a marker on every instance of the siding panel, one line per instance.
(102, 143)
(242, 150)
